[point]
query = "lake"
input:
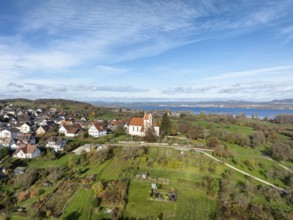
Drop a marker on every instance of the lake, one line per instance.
(249, 112)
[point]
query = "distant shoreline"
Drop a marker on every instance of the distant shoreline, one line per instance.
(249, 112)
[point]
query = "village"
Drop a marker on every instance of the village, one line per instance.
(69, 160)
(20, 130)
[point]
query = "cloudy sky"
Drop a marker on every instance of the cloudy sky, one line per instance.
(155, 49)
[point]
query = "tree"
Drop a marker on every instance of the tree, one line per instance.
(150, 135)
(282, 151)
(27, 179)
(195, 132)
(258, 139)
(51, 154)
(165, 124)
(213, 143)
(4, 152)
(119, 130)
(98, 188)
(211, 185)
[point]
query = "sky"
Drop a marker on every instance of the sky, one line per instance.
(197, 50)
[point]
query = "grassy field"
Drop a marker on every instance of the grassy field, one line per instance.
(184, 172)
(80, 207)
(115, 169)
(61, 162)
(140, 206)
(192, 201)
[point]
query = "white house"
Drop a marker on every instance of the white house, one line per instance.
(25, 128)
(138, 126)
(56, 143)
(70, 130)
(6, 142)
(5, 134)
(97, 130)
(41, 130)
(27, 151)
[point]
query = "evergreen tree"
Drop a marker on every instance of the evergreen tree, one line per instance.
(165, 124)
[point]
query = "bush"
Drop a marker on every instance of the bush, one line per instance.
(41, 191)
(96, 202)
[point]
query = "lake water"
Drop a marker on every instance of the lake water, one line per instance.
(249, 112)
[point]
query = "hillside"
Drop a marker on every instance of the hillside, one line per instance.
(204, 167)
(51, 102)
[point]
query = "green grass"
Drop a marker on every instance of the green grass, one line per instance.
(230, 128)
(41, 163)
(193, 203)
(18, 217)
(139, 205)
(81, 204)
(260, 165)
(244, 151)
(97, 168)
(114, 169)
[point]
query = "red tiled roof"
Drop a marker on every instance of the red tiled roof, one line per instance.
(72, 129)
(99, 127)
(27, 149)
(66, 123)
(119, 122)
(136, 122)
(146, 116)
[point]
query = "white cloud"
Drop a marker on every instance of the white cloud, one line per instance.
(77, 42)
(250, 73)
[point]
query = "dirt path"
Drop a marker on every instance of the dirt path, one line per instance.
(281, 165)
(240, 171)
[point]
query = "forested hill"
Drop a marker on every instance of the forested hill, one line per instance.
(60, 104)
(43, 101)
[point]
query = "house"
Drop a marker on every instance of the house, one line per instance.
(24, 118)
(97, 130)
(85, 124)
(25, 128)
(6, 142)
(23, 138)
(53, 110)
(41, 119)
(63, 122)
(70, 130)
(41, 130)
(56, 143)
(138, 126)
(44, 129)
(27, 151)
(115, 123)
(5, 133)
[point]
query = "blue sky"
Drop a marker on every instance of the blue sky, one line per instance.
(148, 50)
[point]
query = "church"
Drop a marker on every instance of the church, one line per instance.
(139, 126)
